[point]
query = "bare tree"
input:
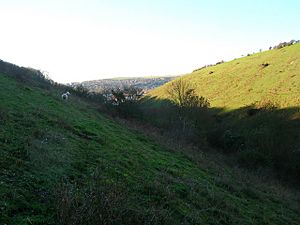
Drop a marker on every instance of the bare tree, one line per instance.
(178, 91)
(183, 94)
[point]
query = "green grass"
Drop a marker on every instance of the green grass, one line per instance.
(244, 81)
(48, 146)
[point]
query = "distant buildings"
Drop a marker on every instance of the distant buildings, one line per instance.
(145, 84)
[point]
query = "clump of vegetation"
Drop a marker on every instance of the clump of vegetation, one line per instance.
(226, 140)
(260, 135)
(26, 75)
(285, 44)
(122, 102)
(81, 91)
(209, 65)
(265, 105)
(264, 65)
(183, 95)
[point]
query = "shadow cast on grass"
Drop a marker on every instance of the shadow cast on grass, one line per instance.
(260, 135)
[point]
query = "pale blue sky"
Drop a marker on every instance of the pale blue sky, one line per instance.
(94, 39)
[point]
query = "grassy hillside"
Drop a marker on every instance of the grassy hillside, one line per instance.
(272, 75)
(254, 111)
(65, 163)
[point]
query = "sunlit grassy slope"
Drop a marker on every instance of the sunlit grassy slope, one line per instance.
(47, 144)
(272, 75)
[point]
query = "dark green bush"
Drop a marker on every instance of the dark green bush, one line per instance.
(226, 140)
(252, 158)
(81, 91)
(288, 166)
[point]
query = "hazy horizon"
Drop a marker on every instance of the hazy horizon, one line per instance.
(89, 40)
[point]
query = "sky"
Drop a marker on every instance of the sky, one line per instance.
(77, 40)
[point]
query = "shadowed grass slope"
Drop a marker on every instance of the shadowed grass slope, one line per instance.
(271, 75)
(64, 163)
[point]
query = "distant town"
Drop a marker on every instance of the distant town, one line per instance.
(143, 83)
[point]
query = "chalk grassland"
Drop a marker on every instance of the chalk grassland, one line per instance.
(268, 76)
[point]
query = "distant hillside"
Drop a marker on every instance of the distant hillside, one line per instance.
(145, 83)
(272, 75)
(62, 162)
